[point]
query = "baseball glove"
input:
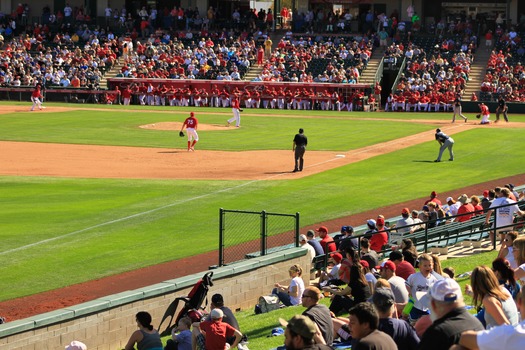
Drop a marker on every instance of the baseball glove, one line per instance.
(181, 133)
(241, 110)
(478, 116)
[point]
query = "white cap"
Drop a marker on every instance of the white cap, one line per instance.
(76, 345)
(216, 314)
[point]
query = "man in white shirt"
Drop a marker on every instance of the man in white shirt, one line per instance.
(504, 217)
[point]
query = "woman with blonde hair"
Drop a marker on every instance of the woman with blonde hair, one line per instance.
(292, 294)
(518, 250)
(500, 308)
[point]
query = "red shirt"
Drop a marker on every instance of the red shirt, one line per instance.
(36, 93)
(378, 240)
(216, 334)
(235, 104)
(465, 208)
(191, 122)
(328, 244)
(404, 269)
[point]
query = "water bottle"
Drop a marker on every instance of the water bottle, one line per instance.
(408, 307)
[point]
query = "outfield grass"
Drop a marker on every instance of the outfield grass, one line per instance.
(60, 231)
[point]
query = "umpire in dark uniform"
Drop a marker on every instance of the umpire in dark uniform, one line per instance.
(299, 147)
(502, 108)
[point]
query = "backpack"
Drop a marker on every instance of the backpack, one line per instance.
(269, 303)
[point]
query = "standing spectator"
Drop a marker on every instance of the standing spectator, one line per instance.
(291, 294)
(504, 217)
(268, 43)
(300, 142)
(420, 282)
(450, 318)
(445, 142)
(146, 337)
(488, 40)
(68, 13)
(363, 326)
(319, 314)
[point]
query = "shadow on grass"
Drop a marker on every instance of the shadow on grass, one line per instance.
(423, 161)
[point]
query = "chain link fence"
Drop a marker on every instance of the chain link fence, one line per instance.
(249, 234)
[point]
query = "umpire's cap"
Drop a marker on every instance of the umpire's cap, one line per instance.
(301, 130)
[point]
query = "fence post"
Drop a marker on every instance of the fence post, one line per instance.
(264, 217)
(297, 229)
(221, 236)
(426, 237)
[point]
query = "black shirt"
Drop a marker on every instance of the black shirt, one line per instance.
(501, 103)
(320, 314)
(300, 140)
(446, 331)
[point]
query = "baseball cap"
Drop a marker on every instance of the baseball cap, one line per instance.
(322, 229)
(337, 257)
(302, 238)
(387, 265)
(380, 222)
(76, 345)
(383, 297)
(310, 233)
(449, 199)
(395, 255)
(301, 325)
(509, 186)
(364, 263)
(277, 331)
(405, 211)
(445, 290)
(192, 114)
(371, 222)
(438, 130)
(216, 314)
(217, 299)
(464, 199)
(485, 193)
(433, 193)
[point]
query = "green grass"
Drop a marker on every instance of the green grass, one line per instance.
(60, 231)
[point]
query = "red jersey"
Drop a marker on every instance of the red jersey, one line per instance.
(216, 334)
(235, 104)
(191, 123)
(36, 93)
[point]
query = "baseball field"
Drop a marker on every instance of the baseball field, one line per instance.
(90, 191)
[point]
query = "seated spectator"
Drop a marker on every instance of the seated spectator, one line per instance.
(146, 335)
(213, 333)
(401, 331)
(356, 292)
(502, 337)
(364, 322)
(300, 332)
(466, 210)
(319, 314)
(291, 294)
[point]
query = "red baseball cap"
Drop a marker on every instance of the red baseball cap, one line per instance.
(192, 114)
(337, 257)
(387, 265)
(405, 211)
(364, 263)
(380, 221)
(322, 229)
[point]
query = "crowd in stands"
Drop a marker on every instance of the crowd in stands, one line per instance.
(66, 50)
(505, 72)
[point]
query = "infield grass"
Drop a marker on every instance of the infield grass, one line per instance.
(60, 231)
